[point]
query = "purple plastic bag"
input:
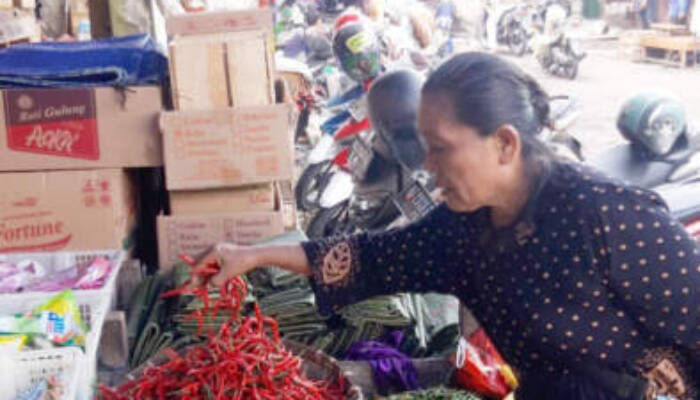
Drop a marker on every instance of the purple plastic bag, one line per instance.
(390, 367)
(28, 272)
(95, 276)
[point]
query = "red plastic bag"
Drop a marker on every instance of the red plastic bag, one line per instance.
(481, 369)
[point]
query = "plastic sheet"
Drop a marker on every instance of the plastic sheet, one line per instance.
(131, 60)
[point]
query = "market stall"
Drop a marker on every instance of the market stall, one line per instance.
(125, 161)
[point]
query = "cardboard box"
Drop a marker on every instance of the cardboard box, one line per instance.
(17, 26)
(195, 234)
(219, 21)
(227, 147)
(65, 210)
(221, 201)
(44, 129)
(219, 70)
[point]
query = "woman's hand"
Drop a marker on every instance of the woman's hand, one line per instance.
(233, 260)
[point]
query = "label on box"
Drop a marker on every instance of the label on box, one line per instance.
(46, 121)
(194, 235)
(29, 227)
(33, 234)
(96, 193)
(220, 148)
(74, 210)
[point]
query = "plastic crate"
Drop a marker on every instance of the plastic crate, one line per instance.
(94, 304)
(31, 366)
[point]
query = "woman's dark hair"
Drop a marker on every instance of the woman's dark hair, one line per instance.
(487, 92)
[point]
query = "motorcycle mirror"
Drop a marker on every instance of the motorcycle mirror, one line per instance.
(693, 136)
(564, 110)
(689, 169)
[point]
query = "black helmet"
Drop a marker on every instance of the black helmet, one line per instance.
(393, 101)
(652, 120)
(357, 48)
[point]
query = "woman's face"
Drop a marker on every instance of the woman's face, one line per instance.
(468, 167)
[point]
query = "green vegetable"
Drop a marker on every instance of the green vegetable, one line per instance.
(437, 393)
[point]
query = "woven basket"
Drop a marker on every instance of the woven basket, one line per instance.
(315, 365)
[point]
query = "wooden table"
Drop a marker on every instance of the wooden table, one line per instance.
(676, 51)
(670, 29)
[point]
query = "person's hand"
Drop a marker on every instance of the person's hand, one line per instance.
(233, 260)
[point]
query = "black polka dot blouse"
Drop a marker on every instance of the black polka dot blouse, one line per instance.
(599, 274)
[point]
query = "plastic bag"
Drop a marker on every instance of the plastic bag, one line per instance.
(31, 276)
(58, 320)
(22, 275)
(95, 276)
(47, 388)
(481, 368)
(12, 343)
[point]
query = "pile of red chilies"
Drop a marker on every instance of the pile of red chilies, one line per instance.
(241, 361)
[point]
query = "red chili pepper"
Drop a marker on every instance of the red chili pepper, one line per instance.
(187, 259)
(239, 362)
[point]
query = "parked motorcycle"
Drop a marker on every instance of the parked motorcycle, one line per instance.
(512, 29)
(662, 153)
(356, 48)
(561, 57)
(385, 163)
(556, 51)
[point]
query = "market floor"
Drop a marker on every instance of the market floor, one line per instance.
(605, 81)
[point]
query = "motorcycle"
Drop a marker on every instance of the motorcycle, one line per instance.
(561, 57)
(385, 164)
(558, 53)
(327, 160)
(385, 193)
(662, 153)
(357, 49)
(511, 29)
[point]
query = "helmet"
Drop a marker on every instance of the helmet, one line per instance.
(393, 101)
(652, 120)
(356, 47)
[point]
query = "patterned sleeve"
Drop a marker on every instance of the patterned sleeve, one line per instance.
(415, 258)
(654, 265)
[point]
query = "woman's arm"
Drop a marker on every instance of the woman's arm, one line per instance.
(238, 260)
(344, 270)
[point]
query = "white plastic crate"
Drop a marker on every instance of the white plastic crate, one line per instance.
(94, 304)
(30, 366)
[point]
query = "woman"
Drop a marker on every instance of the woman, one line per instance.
(586, 285)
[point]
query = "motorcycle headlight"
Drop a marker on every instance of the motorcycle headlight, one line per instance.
(663, 130)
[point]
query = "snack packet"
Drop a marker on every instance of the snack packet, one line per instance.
(58, 320)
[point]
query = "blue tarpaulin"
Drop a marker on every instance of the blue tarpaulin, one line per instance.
(123, 61)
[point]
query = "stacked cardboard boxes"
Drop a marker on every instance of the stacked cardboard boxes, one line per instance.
(17, 25)
(227, 146)
(62, 159)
